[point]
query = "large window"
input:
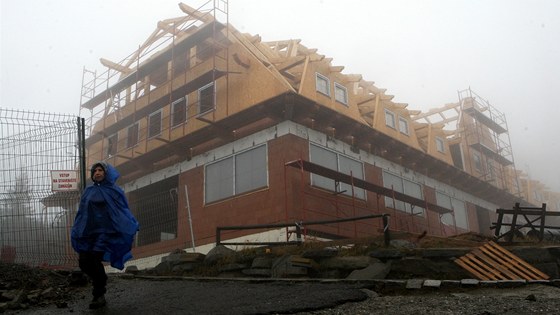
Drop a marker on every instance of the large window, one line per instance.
(132, 136)
(458, 207)
(404, 186)
(390, 118)
(477, 161)
(179, 111)
(337, 162)
(440, 145)
(236, 174)
(403, 126)
(156, 207)
(206, 98)
(322, 84)
(154, 124)
(112, 142)
(340, 93)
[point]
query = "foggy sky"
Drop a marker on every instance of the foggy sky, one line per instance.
(422, 52)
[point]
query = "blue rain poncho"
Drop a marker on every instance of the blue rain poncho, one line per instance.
(104, 222)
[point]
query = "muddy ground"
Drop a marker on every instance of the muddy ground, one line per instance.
(46, 291)
(171, 296)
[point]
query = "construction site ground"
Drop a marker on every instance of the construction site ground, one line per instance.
(192, 295)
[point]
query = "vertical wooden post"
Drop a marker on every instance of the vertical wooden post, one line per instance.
(543, 216)
(386, 233)
(513, 226)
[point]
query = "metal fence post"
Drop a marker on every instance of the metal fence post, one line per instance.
(386, 233)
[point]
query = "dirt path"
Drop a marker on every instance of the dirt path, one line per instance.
(141, 296)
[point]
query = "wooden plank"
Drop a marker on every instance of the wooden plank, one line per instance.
(520, 261)
(500, 272)
(479, 265)
(472, 268)
(492, 262)
(512, 265)
(500, 265)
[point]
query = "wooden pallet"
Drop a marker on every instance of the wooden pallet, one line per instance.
(493, 262)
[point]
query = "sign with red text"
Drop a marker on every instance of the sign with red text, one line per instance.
(64, 180)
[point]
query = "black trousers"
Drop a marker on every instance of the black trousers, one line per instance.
(91, 263)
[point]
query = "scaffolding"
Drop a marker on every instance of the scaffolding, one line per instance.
(484, 133)
(160, 73)
(479, 139)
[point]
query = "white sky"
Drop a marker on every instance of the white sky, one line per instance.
(422, 52)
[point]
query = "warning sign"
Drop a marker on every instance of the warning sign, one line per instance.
(64, 180)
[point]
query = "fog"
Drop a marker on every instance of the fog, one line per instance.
(422, 52)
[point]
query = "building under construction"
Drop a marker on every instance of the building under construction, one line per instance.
(210, 127)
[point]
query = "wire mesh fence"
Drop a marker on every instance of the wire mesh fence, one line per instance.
(34, 219)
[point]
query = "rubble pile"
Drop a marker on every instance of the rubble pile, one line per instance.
(22, 287)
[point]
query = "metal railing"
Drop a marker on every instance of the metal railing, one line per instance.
(299, 226)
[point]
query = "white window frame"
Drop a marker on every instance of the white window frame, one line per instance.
(340, 93)
(459, 208)
(440, 144)
(229, 184)
(128, 137)
(390, 119)
(200, 102)
(183, 101)
(403, 126)
(403, 185)
(477, 159)
(327, 84)
(151, 121)
(491, 169)
(339, 166)
(112, 144)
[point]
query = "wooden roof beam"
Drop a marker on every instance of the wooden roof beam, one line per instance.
(352, 78)
(204, 17)
(253, 39)
(336, 68)
(439, 110)
(315, 58)
(292, 62)
(384, 97)
(366, 109)
(115, 66)
(169, 28)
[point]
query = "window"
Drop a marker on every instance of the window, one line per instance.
(236, 174)
(458, 207)
(179, 111)
(404, 186)
(440, 145)
(537, 195)
(340, 93)
(132, 138)
(112, 142)
(322, 84)
(477, 161)
(154, 124)
(390, 119)
(337, 162)
(206, 98)
(155, 207)
(491, 170)
(403, 125)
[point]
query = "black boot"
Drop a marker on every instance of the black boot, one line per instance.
(98, 302)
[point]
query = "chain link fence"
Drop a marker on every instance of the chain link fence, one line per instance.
(35, 216)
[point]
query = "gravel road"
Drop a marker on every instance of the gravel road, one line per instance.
(172, 296)
(528, 299)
